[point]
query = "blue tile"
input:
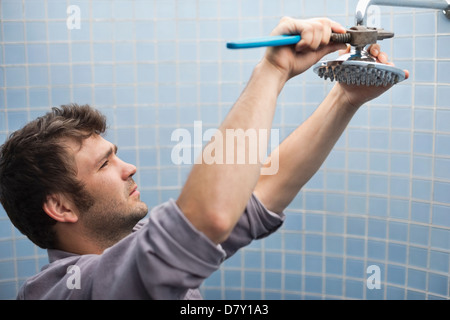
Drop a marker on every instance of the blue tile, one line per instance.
(421, 189)
(418, 257)
(314, 201)
(60, 95)
(400, 163)
(187, 9)
(313, 284)
(399, 209)
(272, 280)
(357, 160)
(293, 242)
(378, 206)
(440, 238)
(232, 278)
(397, 253)
(313, 263)
(334, 244)
(357, 182)
(358, 138)
(82, 95)
(438, 283)
(124, 73)
(252, 259)
(15, 98)
(292, 282)
(334, 286)
(376, 250)
(395, 293)
(425, 23)
(424, 71)
(57, 30)
(14, 53)
(294, 222)
(443, 47)
(424, 96)
(81, 74)
(336, 159)
(403, 47)
(442, 116)
(80, 52)
(420, 212)
(440, 215)
(418, 234)
(38, 97)
(402, 117)
(7, 269)
(442, 144)
(441, 192)
(400, 141)
(334, 224)
(13, 31)
(377, 228)
(356, 204)
(354, 289)
(11, 10)
(36, 31)
(378, 184)
(122, 10)
(417, 279)
(145, 30)
(443, 72)
(355, 268)
(425, 47)
(379, 139)
(396, 274)
(15, 76)
(34, 9)
(335, 202)
(37, 53)
(439, 261)
(313, 243)
(423, 142)
(423, 119)
(103, 52)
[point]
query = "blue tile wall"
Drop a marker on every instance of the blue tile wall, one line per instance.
(381, 198)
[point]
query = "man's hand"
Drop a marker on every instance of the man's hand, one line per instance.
(358, 95)
(313, 46)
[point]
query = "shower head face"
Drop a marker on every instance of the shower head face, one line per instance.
(359, 68)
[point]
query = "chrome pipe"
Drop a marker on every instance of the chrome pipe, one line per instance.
(363, 5)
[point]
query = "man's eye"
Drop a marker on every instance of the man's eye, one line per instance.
(104, 164)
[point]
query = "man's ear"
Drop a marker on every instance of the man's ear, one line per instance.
(60, 208)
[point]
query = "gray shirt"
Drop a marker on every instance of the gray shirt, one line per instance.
(164, 258)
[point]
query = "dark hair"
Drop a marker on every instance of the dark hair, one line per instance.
(35, 163)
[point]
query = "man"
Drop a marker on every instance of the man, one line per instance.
(64, 187)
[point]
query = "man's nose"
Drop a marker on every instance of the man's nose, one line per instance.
(128, 170)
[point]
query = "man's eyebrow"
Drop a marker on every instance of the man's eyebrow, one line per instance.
(110, 151)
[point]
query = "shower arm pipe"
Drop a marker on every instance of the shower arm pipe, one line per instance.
(363, 5)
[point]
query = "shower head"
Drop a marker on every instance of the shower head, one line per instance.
(359, 68)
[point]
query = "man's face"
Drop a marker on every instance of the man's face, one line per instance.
(108, 180)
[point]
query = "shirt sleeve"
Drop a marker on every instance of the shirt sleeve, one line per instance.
(256, 222)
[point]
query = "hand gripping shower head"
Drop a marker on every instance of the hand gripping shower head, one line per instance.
(359, 67)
